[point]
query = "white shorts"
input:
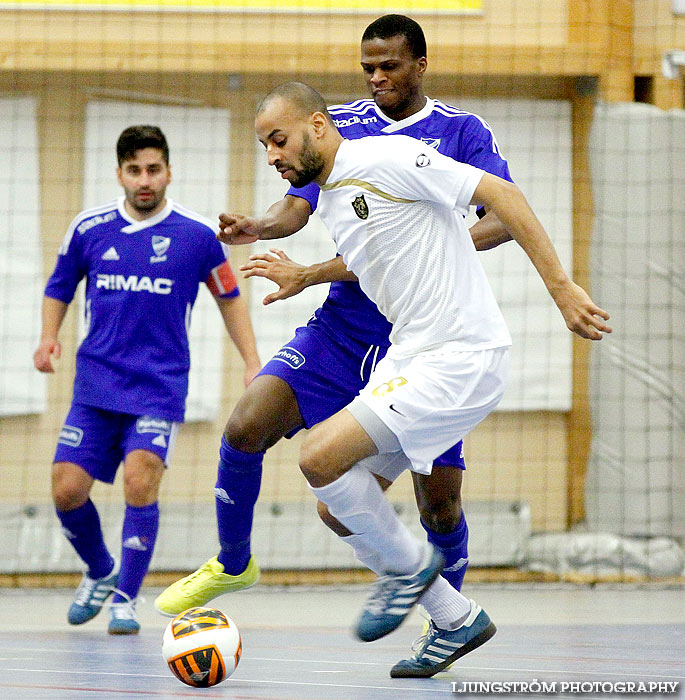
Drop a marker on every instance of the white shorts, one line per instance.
(429, 402)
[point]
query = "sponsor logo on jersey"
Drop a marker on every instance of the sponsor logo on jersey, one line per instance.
(69, 435)
(95, 221)
(433, 143)
(133, 283)
(153, 425)
(223, 496)
(160, 244)
(361, 208)
(422, 160)
(290, 356)
(134, 543)
(342, 123)
(110, 254)
(387, 387)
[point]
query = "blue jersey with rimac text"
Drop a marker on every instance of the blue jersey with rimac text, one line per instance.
(142, 279)
(460, 135)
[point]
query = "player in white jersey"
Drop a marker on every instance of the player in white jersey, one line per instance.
(132, 367)
(323, 367)
(407, 253)
(393, 207)
(393, 61)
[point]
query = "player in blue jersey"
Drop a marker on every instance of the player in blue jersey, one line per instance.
(132, 367)
(324, 367)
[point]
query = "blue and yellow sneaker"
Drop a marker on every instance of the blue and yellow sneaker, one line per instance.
(208, 582)
(90, 596)
(394, 595)
(438, 649)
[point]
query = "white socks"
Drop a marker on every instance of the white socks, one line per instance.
(358, 502)
(364, 553)
(382, 543)
(447, 607)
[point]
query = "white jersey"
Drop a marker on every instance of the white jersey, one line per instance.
(395, 207)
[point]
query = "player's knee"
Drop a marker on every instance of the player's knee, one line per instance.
(142, 477)
(243, 433)
(266, 412)
(140, 489)
(309, 465)
(313, 463)
(66, 499)
(251, 428)
(68, 492)
(441, 515)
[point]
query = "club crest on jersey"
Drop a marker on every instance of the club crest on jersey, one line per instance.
(361, 208)
(160, 244)
(433, 143)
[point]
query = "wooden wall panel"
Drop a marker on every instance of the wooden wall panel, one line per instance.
(531, 48)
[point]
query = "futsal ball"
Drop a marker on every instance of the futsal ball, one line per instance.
(202, 647)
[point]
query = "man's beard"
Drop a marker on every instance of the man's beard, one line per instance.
(311, 164)
(147, 205)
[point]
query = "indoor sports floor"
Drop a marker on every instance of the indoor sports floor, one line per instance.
(297, 646)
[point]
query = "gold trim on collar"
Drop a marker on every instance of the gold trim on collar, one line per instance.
(353, 182)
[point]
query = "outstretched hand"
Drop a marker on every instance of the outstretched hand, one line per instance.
(236, 229)
(581, 314)
(279, 268)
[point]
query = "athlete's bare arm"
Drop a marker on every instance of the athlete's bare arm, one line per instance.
(489, 232)
(236, 318)
(283, 218)
(291, 277)
(581, 314)
(53, 313)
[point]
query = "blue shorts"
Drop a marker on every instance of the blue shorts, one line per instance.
(99, 440)
(327, 373)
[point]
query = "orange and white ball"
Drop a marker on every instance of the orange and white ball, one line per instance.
(202, 646)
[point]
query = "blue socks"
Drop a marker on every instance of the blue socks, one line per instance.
(454, 547)
(138, 538)
(237, 488)
(82, 528)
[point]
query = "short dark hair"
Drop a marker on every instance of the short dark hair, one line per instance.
(305, 98)
(388, 26)
(133, 138)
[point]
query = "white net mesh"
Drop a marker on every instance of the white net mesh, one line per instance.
(74, 73)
